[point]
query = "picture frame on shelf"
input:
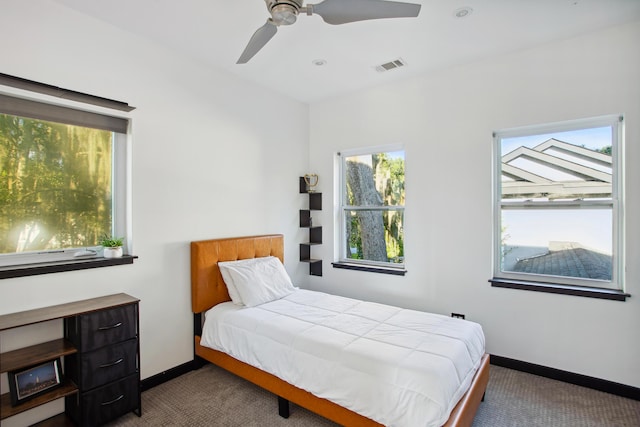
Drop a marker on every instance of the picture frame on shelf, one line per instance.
(33, 381)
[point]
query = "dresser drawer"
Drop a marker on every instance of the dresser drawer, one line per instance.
(105, 403)
(91, 331)
(98, 367)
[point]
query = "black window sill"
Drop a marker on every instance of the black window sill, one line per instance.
(555, 288)
(60, 266)
(369, 268)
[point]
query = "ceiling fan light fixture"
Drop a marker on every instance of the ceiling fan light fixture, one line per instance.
(284, 14)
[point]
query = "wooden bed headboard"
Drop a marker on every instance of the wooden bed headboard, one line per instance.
(207, 286)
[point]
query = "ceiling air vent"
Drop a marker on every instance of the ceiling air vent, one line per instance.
(397, 63)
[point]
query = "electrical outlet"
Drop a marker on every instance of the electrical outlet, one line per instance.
(457, 315)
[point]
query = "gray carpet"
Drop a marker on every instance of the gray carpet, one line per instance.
(213, 397)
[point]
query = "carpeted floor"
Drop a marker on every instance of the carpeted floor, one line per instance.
(211, 396)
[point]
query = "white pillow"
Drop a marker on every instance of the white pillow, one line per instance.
(258, 280)
(228, 280)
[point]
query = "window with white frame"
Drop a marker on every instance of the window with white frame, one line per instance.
(558, 203)
(372, 194)
(62, 180)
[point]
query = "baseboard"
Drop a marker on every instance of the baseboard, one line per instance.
(568, 377)
(165, 376)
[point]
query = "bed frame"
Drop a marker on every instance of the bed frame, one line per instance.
(208, 289)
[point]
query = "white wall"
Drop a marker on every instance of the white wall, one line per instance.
(445, 120)
(209, 160)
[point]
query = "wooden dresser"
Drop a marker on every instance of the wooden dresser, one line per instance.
(101, 354)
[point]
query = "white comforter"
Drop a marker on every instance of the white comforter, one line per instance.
(398, 367)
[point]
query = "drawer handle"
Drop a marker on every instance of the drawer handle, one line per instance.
(113, 401)
(106, 328)
(107, 365)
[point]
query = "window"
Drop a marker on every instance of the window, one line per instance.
(372, 208)
(558, 216)
(62, 180)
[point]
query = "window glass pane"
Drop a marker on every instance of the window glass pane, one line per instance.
(558, 201)
(573, 243)
(558, 166)
(375, 179)
(55, 185)
(375, 235)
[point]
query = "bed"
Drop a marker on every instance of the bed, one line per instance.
(210, 295)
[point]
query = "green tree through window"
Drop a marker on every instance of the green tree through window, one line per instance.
(373, 210)
(55, 185)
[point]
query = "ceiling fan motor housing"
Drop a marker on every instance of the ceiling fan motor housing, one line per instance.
(284, 12)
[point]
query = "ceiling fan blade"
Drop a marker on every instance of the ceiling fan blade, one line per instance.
(258, 40)
(338, 12)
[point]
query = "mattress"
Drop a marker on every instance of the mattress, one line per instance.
(396, 366)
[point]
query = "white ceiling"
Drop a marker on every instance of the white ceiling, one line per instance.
(216, 32)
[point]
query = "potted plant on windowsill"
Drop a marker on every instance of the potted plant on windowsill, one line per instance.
(112, 246)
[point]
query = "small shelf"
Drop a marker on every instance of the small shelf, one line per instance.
(60, 420)
(315, 266)
(315, 232)
(35, 354)
(305, 218)
(305, 252)
(61, 311)
(66, 389)
(315, 235)
(315, 201)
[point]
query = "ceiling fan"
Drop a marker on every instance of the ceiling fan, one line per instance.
(335, 12)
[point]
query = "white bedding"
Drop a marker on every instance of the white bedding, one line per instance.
(398, 367)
